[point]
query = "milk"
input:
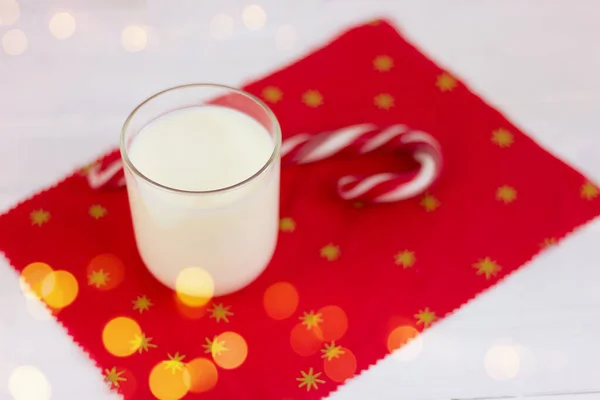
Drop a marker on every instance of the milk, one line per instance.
(230, 233)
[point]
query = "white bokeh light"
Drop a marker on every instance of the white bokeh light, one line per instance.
(10, 12)
(285, 37)
(37, 309)
(29, 383)
(62, 25)
(134, 38)
(254, 17)
(528, 361)
(502, 363)
(14, 42)
(221, 26)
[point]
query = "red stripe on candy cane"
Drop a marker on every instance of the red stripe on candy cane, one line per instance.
(352, 140)
(360, 139)
(108, 173)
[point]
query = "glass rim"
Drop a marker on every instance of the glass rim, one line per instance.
(273, 157)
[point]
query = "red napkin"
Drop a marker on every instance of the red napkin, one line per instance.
(349, 282)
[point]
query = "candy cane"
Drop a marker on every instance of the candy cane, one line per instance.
(108, 173)
(353, 140)
(361, 139)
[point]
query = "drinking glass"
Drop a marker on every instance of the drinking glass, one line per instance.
(224, 237)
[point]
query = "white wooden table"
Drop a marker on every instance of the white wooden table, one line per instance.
(62, 102)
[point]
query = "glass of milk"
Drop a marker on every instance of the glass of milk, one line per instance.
(202, 170)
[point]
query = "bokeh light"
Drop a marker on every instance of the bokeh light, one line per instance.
(105, 271)
(236, 353)
(407, 338)
(341, 367)
(285, 37)
(280, 300)
(400, 336)
(134, 38)
(203, 375)
(9, 12)
(32, 277)
(168, 381)
(254, 17)
(305, 341)
(14, 42)
(37, 309)
(502, 363)
(119, 336)
(188, 311)
(194, 287)
(59, 289)
(527, 361)
(221, 26)
(334, 325)
(123, 379)
(62, 25)
(29, 383)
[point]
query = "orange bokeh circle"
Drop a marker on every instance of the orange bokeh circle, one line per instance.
(203, 375)
(400, 336)
(236, 353)
(169, 383)
(119, 336)
(305, 341)
(334, 325)
(111, 266)
(32, 278)
(338, 369)
(59, 289)
(280, 300)
(187, 311)
(126, 381)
